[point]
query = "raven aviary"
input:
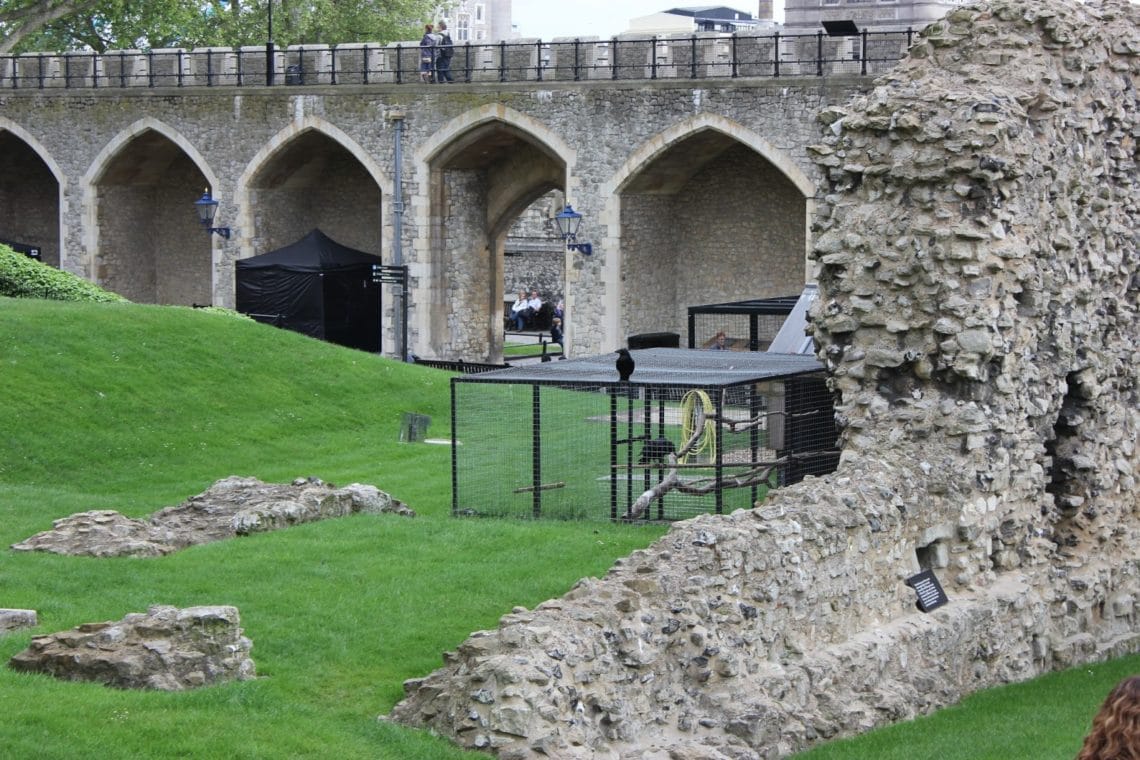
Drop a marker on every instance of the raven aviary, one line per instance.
(624, 365)
(656, 450)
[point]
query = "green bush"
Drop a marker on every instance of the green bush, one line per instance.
(23, 277)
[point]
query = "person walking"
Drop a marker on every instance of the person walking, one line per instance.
(444, 50)
(427, 54)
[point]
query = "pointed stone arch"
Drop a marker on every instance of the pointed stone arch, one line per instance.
(93, 242)
(462, 250)
(699, 281)
(662, 141)
(279, 142)
(62, 186)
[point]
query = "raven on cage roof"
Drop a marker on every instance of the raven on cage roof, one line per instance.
(624, 365)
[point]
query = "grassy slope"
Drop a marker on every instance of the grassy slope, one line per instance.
(135, 408)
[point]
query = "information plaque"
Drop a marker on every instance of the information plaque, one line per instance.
(929, 590)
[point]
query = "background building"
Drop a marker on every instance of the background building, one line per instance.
(802, 16)
(705, 18)
(479, 20)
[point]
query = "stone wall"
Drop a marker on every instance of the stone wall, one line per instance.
(535, 254)
(978, 313)
(165, 648)
(281, 160)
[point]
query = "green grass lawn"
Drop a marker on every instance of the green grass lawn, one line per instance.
(135, 408)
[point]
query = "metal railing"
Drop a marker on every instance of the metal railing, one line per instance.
(698, 56)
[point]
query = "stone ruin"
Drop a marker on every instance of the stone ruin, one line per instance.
(166, 648)
(231, 507)
(976, 243)
(14, 620)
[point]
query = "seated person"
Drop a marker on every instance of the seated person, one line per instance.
(517, 316)
(719, 342)
(526, 315)
(533, 305)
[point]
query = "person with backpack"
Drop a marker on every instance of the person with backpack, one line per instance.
(443, 52)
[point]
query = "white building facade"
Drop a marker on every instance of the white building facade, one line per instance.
(479, 20)
(801, 16)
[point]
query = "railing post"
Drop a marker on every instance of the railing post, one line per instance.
(67, 72)
(94, 70)
(653, 59)
(577, 43)
(122, 69)
(181, 73)
(614, 58)
(269, 62)
(819, 54)
(863, 53)
(40, 70)
(332, 60)
(240, 69)
(399, 67)
(467, 62)
(733, 50)
(150, 68)
(502, 61)
(776, 54)
(538, 60)
(365, 73)
(693, 57)
(209, 67)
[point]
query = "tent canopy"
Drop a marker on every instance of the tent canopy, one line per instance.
(316, 252)
(314, 286)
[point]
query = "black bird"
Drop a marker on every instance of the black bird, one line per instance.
(624, 365)
(656, 450)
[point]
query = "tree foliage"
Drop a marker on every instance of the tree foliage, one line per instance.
(99, 25)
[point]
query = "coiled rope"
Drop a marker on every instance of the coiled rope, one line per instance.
(707, 441)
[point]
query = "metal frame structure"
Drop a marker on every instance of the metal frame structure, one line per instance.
(636, 413)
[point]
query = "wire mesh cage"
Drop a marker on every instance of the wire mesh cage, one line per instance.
(692, 432)
(748, 325)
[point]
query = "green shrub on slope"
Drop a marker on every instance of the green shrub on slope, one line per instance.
(23, 277)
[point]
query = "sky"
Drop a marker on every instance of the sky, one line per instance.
(547, 19)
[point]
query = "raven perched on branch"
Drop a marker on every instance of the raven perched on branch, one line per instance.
(656, 450)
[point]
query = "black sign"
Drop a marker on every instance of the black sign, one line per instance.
(390, 273)
(929, 590)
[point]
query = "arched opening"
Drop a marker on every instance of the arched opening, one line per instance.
(481, 183)
(29, 198)
(151, 246)
(707, 219)
(312, 181)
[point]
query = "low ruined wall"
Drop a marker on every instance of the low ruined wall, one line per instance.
(978, 274)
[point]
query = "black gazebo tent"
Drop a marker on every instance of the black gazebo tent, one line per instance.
(315, 286)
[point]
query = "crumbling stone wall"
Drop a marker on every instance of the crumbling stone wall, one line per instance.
(231, 507)
(976, 241)
(165, 648)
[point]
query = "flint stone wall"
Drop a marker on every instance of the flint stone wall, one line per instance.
(166, 648)
(976, 240)
(231, 507)
(14, 620)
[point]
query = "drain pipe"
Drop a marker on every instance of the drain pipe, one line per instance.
(397, 119)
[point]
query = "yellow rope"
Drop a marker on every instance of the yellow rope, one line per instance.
(707, 441)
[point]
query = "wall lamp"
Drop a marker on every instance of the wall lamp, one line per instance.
(568, 220)
(206, 208)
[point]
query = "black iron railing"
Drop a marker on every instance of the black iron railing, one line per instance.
(700, 56)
